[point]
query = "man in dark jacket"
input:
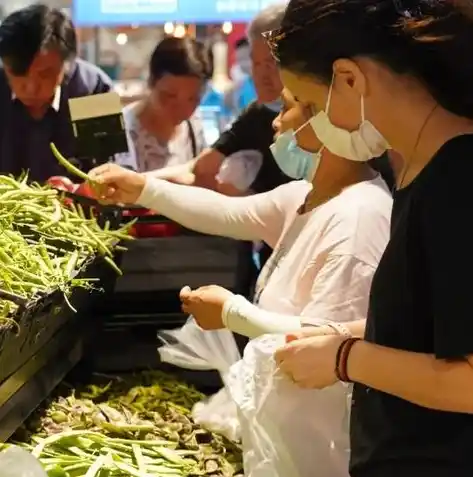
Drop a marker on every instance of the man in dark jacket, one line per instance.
(40, 72)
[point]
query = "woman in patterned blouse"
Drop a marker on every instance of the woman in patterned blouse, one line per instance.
(163, 127)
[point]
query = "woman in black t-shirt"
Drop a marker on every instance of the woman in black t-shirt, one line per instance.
(397, 73)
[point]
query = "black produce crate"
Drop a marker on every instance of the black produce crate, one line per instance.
(52, 340)
(104, 214)
(134, 349)
(155, 269)
(146, 299)
(39, 321)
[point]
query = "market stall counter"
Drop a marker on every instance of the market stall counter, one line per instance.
(85, 339)
(55, 262)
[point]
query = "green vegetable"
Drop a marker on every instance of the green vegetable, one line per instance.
(132, 426)
(67, 165)
(55, 471)
(45, 244)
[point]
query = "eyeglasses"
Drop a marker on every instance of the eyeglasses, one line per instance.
(272, 38)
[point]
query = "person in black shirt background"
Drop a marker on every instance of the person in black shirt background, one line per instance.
(412, 408)
(253, 129)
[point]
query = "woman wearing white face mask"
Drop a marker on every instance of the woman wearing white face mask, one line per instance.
(409, 64)
(327, 238)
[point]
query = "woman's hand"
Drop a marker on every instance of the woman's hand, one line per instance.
(310, 362)
(206, 305)
(311, 332)
(117, 185)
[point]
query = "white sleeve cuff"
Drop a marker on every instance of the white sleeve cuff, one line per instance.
(241, 316)
(150, 193)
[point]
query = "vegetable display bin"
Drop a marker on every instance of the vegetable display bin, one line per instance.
(155, 269)
(146, 298)
(115, 330)
(104, 214)
(50, 341)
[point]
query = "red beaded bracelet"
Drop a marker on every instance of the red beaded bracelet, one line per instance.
(341, 359)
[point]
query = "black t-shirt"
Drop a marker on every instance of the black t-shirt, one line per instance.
(253, 129)
(382, 164)
(421, 302)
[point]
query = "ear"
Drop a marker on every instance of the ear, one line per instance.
(349, 77)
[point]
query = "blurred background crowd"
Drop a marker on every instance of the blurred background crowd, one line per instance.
(120, 37)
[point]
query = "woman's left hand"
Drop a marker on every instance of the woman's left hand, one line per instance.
(206, 305)
(310, 362)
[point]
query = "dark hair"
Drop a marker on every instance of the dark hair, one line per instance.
(26, 32)
(428, 39)
(242, 43)
(180, 57)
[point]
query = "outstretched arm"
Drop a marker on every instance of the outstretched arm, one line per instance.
(257, 217)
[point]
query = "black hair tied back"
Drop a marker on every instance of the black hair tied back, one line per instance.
(428, 39)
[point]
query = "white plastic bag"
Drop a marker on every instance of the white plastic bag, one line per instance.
(17, 462)
(199, 349)
(240, 169)
(286, 430)
(219, 414)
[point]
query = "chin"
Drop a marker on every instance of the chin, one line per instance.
(33, 103)
(177, 121)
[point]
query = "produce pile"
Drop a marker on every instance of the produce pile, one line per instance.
(134, 426)
(44, 243)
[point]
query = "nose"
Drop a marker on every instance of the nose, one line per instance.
(276, 124)
(30, 88)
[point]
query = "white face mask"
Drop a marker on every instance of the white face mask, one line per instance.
(360, 145)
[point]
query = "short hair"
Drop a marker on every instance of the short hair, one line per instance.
(26, 32)
(180, 57)
(270, 18)
(242, 43)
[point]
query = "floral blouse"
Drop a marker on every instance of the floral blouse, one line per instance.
(151, 154)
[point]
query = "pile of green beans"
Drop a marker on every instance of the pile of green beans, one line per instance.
(91, 454)
(136, 425)
(45, 243)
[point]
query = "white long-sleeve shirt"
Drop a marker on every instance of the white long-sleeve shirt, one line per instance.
(323, 261)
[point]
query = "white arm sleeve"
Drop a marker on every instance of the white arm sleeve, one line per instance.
(257, 217)
(339, 294)
(241, 316)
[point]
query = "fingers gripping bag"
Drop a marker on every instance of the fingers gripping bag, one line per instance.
(191, 347)
(287, 431)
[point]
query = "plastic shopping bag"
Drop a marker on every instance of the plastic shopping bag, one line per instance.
(240, 169)
(286, 430)
(17, 462)
(198, 349)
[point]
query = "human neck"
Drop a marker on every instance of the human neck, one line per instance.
(437, 127)
(37, 112)
(157, 123)
(331, 181)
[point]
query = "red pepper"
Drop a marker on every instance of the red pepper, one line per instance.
(84, 190)
(61, 183)
(148, 230)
